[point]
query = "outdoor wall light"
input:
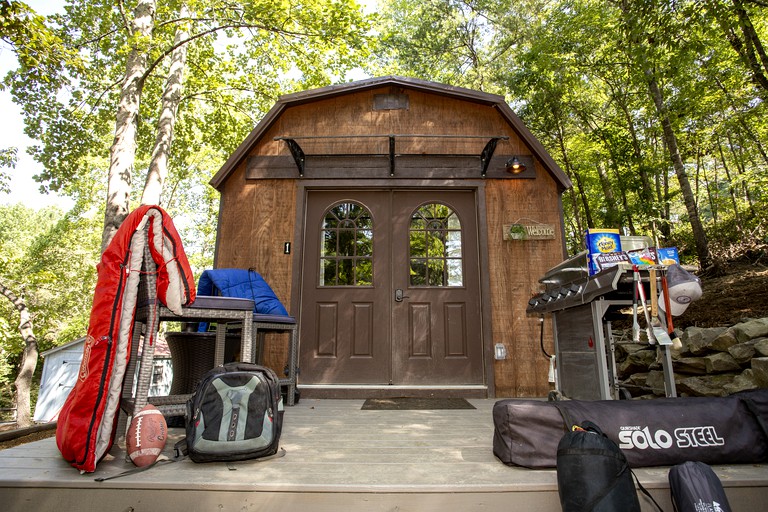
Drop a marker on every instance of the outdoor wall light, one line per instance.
(500, 351)
(515, 166)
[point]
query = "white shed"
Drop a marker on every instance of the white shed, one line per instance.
(60, 367)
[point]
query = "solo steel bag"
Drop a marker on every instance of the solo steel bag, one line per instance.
(660, 432)
(235, 413)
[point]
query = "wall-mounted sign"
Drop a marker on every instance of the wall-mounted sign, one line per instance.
(529, 231)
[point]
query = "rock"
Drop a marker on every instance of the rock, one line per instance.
(655, 381)
(711, 363)
(624, 350)
(635, 384)
(760, 371)
(742, 382)
(697, 340)
(743, 352)
(721, 362)
(690, 365)
(638, 361)
(709, 385)
(750, 330)
(637, 379)
(724, 341)
(761, 346)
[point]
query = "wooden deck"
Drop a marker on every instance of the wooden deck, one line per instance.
(338, 458)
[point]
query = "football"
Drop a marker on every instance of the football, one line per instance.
(146, 436)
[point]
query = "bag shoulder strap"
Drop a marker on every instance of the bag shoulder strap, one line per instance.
(567, 420)
(648, 494)
(160, 461)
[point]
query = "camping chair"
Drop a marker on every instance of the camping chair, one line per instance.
(150, 312)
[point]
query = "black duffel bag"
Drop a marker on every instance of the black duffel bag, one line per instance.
(660, 432)
(593, 474)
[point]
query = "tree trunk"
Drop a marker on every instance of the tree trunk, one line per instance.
(749, 49)
(612, 215)
(123, 151)
(158, 166)
(758, 59)
(731, 188)
(670, 139)
(646, 193)
(23, 382)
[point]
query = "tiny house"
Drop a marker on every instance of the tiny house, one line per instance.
(404, 223)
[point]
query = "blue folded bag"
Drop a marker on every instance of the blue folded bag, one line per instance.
(243, 283)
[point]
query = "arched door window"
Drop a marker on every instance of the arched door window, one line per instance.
(435, 247)
(346, 253)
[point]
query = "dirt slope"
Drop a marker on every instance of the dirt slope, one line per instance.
(741, 292)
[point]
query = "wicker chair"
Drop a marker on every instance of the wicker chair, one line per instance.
(149, 314)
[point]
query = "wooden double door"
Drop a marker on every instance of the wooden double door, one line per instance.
(390, 291)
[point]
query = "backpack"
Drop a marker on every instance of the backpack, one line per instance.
(593, 473)
(235, 413)
(695, 487)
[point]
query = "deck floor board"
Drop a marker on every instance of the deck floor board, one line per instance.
(338, 457)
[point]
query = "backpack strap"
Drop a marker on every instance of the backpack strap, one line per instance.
(161, 460)
(648, 494)
(180, 449)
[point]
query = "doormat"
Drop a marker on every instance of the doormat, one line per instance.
(414, 404)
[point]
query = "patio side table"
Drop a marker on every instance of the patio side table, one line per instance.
(263, 324)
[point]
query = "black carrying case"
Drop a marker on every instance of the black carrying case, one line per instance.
(660, 432)
(593, 474)
(695, 487)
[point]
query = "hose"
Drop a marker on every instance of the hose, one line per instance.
(541, 338)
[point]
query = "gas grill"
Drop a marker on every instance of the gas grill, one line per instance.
(582, 308)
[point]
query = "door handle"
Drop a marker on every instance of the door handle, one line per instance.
(399, 295)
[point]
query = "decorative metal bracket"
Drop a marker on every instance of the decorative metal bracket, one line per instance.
(391, 155)
(487, 154)
(298, 155)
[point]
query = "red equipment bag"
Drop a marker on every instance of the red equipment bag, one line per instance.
(88, 420)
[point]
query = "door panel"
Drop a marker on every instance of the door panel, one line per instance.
(437, 328)
(344, 327)
(413, 319)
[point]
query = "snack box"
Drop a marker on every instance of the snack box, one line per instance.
(641, 257)
(600, 241)
(667, 255)
(612, 259)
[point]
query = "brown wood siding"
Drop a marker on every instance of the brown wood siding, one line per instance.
(354, 115)
(257, 218)
(515, 268)
(259, 207)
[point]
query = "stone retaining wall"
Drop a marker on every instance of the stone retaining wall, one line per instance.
(716, 361)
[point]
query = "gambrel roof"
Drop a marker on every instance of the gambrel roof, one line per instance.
(303, 97)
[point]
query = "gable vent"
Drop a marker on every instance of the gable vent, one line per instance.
(390, 102)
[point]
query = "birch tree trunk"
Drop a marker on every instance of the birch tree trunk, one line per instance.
(123, 151)
(158, 166)
(23, 382)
